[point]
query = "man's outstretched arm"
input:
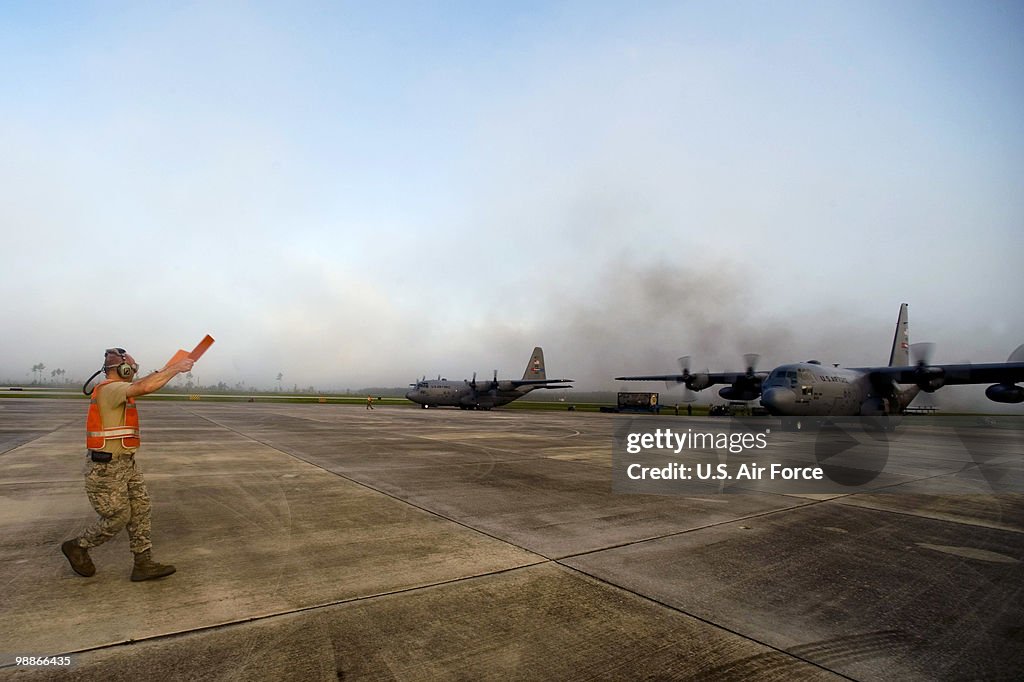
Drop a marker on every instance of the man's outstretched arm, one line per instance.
(158, 380)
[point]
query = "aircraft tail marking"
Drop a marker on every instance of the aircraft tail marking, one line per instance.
(900, 355)
(535, 367)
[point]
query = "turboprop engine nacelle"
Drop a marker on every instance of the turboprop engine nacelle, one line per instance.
(1005, 393)
(930, 379)
(698, 381)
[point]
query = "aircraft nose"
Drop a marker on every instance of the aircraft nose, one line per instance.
(778, 400)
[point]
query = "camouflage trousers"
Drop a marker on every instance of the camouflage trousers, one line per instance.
(117, 492)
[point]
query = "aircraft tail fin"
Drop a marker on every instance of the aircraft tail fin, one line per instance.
(535, 368)
(900, 355)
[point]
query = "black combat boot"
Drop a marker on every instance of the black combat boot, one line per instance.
(147, 569)
(78, 557)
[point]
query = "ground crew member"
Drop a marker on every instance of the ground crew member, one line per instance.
(369, 402)
(114, 482)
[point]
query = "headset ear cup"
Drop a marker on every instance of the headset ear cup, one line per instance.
(124, 370)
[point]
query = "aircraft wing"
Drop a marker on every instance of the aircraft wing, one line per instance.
(538, 382)
(741, 385)
(703, 379)
(951, 375)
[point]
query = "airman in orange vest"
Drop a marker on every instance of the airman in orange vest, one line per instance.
(114, 482)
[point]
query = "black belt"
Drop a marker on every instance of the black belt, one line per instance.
(101, 457)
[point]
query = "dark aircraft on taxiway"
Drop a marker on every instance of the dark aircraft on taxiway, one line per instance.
(483, 395)
(812, 389)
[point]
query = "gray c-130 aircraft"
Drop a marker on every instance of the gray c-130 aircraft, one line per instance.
(812, 389)
(483, 395)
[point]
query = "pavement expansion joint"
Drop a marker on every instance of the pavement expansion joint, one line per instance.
(363, 484)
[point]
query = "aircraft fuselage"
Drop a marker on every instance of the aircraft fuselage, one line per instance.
(811, 389)
(442, 392)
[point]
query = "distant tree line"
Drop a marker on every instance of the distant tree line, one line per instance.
(57, 376)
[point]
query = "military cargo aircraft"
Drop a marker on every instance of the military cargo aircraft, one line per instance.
(812, 389)
(483, 395)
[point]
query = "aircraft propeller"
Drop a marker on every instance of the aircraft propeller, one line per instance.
(687, 380)
(921, 353)
(928, 378)
(491, 388)
(748, 386)
(751, 360)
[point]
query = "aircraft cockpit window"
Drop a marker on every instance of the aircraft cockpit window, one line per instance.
(781, 377)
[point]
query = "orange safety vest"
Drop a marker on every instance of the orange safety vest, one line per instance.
(95, 434)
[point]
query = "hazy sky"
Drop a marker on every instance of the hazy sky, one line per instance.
(356, 194)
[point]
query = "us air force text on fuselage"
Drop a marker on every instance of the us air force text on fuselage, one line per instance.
(665, 456)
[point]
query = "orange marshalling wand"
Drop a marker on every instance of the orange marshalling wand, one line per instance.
(196, 353)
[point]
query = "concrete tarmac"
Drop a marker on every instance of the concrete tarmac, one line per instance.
(327, 542)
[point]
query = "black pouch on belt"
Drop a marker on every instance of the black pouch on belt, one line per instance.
(101, 457)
